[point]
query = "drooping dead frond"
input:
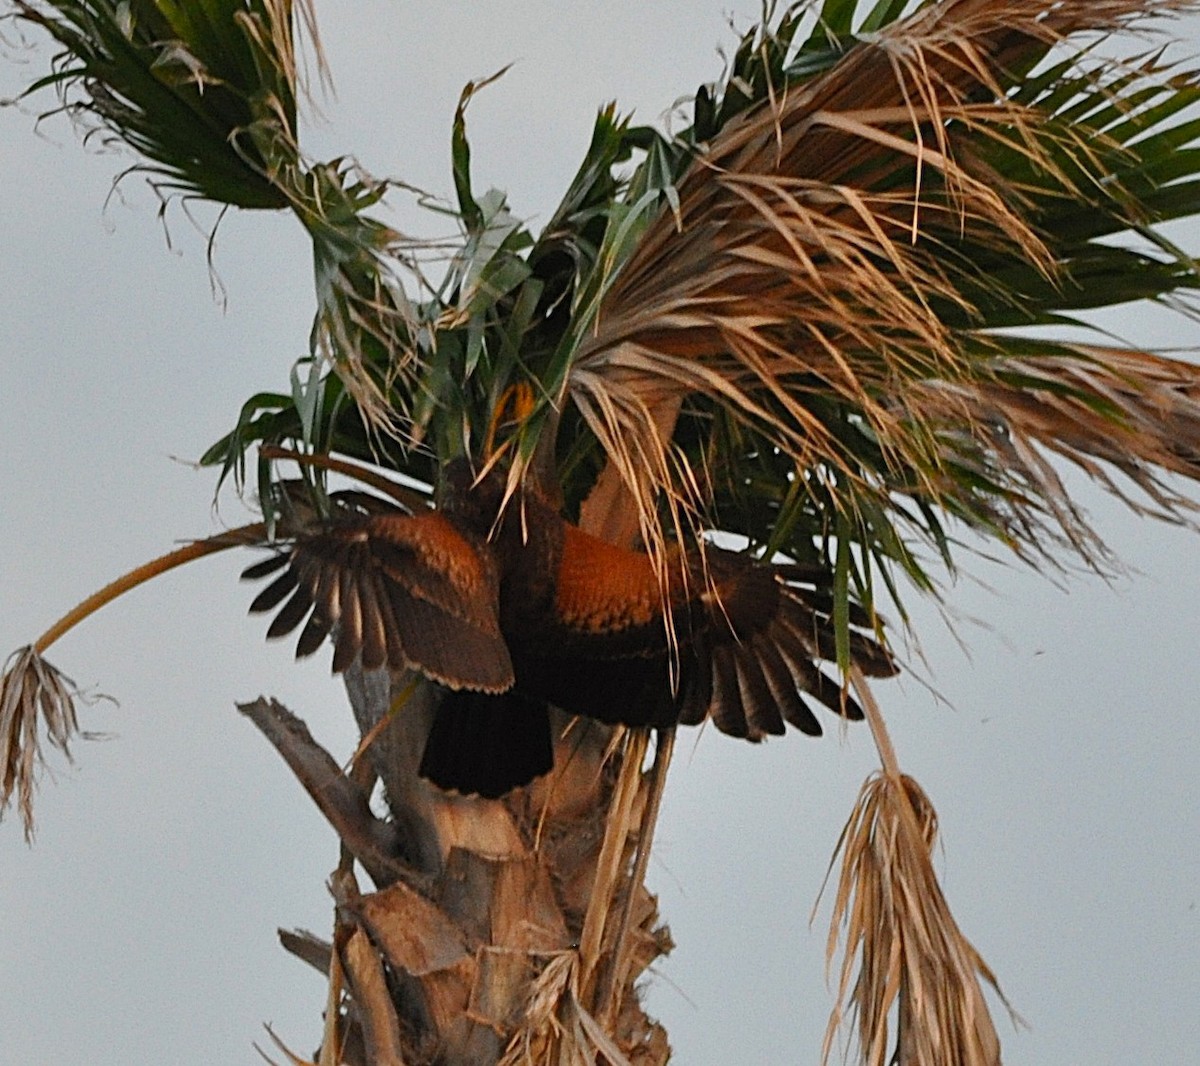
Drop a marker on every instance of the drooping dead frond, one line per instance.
(139, 575)
(902, 943)
(30, 688)
(903, 947)
(1155, 400)
(34, 696)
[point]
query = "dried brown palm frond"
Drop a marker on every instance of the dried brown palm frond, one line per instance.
(837, 254)
(903, 946)
(782, 271)
(33, 691)
(34, 696)
(1106, 410)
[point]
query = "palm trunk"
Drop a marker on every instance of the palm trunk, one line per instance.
(489, 935)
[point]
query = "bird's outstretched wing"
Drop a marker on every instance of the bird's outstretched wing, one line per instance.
(558, 617)
(402, 591)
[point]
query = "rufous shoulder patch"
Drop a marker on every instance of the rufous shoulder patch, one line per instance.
(602, 588)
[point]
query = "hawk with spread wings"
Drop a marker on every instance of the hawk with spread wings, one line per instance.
(512, 609)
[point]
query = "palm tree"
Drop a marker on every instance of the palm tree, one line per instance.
(780, 324)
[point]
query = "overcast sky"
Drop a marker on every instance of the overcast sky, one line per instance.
(140, 929)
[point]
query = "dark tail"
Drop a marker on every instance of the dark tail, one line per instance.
(487, 745)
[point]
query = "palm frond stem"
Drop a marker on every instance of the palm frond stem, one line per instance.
(233, 538)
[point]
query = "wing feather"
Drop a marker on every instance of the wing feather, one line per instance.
(448, 649)
(292, 614)
(396, 590)
(781, 633)
(316, 629)
(348, 642)
(374, 637)
(696, 682)
(725, 707)
(780, 694)
(761, 713)
(268, 566)
(782, 683)
(272, 596)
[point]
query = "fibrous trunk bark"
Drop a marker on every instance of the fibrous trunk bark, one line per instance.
(488, 931)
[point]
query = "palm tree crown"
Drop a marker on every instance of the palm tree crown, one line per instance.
(815, 320)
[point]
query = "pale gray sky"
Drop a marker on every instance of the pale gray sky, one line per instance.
(140, 928)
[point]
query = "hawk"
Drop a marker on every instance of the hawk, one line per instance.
(513, 609)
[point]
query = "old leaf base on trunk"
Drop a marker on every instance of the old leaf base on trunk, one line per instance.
(470, 949)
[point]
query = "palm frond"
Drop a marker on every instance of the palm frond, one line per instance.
(206, 96)
(364, 327)
(846, 247)
(903, 946)
(1108, 411)
(204, 93)
(34, 697)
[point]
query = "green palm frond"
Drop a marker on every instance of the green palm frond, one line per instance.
(785, 316)
(204, 93)
(782, 320)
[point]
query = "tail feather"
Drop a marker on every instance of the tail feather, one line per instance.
(486, 745)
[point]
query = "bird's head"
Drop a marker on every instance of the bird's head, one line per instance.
(470, 497)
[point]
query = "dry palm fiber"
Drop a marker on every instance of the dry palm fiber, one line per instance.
(31, 688)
